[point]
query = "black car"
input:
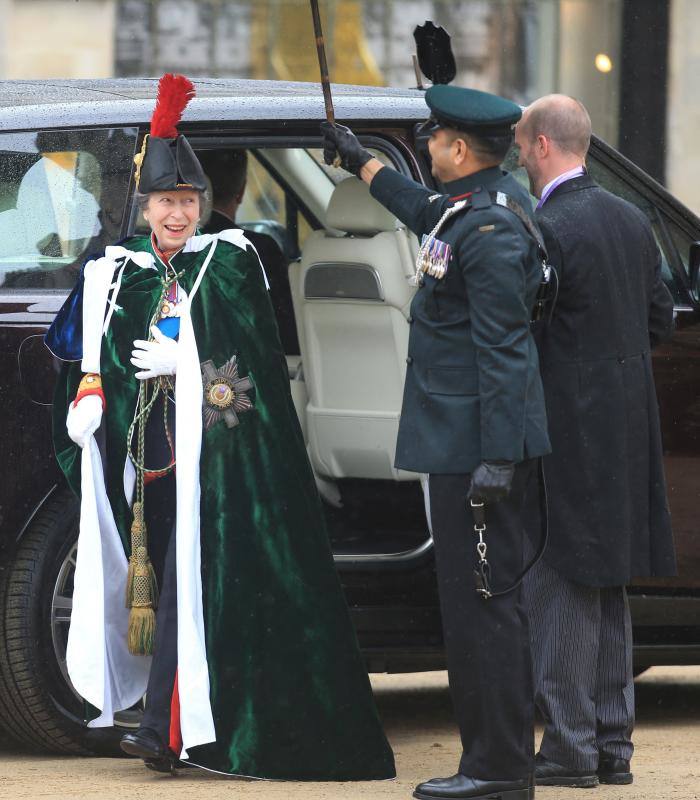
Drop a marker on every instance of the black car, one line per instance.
(66, 189)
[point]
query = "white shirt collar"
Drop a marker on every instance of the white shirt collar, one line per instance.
(559, 179)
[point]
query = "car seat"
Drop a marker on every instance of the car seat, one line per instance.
(352, 295)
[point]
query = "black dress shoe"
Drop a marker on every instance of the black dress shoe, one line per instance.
(170, 764)
(548, 773)
(166, 765)
(460, 787)
(614, 770)
(145, 743)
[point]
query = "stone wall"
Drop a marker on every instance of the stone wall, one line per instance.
(57, 38)
(195, 37)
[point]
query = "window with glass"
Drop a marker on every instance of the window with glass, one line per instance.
(62, 197)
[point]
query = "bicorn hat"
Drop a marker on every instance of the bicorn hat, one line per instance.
(166, 161)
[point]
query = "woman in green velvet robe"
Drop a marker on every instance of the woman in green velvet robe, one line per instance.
(269, 681)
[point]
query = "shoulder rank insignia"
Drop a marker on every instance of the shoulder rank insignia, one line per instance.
(434, 197)
(224, 393)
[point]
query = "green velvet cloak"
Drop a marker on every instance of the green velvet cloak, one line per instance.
(290, 695)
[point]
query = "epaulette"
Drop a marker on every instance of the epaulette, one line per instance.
(481, 199)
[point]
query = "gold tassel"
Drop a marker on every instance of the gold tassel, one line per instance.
(142, 631)
(138, 532)
(141, 590)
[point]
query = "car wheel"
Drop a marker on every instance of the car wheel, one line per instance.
(38, 705)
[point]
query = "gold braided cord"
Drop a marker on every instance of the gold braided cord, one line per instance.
(161, 386)
(141, 584)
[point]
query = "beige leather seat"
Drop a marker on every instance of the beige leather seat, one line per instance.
(351, 295)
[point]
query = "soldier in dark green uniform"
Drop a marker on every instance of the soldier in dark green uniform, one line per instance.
(473, 414)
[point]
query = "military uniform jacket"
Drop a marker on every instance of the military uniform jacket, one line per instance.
(608, 513)
(473, 390)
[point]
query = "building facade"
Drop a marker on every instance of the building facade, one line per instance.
(632, 62)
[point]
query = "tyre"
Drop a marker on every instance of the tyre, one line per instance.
(38, 706)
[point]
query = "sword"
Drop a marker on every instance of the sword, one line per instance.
(323, 66)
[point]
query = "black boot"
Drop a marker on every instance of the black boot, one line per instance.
(460, 787)
(614, 770)
(166, 765)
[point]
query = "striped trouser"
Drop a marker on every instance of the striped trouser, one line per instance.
(582, 664)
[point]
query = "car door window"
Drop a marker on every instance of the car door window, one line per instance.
(62, 196)
(614, 183)
(681, 242)
(270, 207)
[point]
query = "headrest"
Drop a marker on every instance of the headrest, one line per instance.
(353, 209)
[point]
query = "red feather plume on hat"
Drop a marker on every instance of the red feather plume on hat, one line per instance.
(174, 93)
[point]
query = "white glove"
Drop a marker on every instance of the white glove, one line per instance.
(155, 358)
(84, 419)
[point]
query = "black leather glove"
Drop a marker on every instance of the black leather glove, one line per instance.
(491, 481)
(341, 140)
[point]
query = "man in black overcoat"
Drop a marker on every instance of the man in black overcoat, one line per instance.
(608, 513)
(473, 415)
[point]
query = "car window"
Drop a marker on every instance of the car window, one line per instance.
(62, 196)
(308, 182)
(616, 185)
(269, 206)
(264, 198)
(681, 243)
(337, 174)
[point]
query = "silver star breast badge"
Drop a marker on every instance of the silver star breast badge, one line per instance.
(224, 393)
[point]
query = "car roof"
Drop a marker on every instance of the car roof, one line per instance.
(57, 103)
(42, 104)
